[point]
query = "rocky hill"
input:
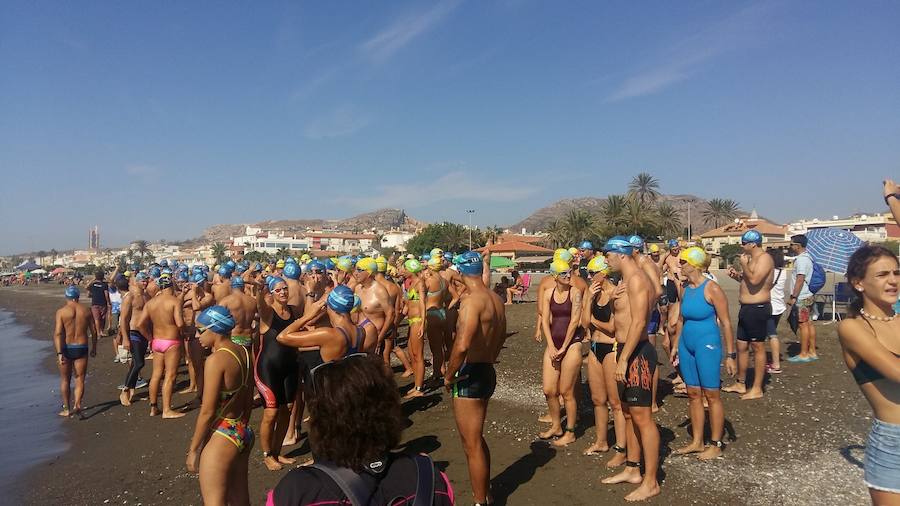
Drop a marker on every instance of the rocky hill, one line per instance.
(382, 219)
(546, 216)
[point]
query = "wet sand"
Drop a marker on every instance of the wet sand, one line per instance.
(801, 444)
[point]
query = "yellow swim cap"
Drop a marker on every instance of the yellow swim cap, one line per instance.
(653, 248)
(436, 262)
(562, 254)
(344, 264)
(382, 264)
(367, 264)
(391, 270)
(127, 274)
(279, 264)
(694, 256)
(437, 252)
(598, 264)
(305, 258)
(573, 251)
(558, 267)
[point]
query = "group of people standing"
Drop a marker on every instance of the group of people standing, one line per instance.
(274, 328)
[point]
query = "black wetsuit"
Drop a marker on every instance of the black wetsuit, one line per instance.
(276, 368)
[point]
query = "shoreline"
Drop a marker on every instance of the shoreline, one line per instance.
(797, 446)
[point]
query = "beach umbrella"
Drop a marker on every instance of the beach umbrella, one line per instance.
(501, 262)
(831, 248)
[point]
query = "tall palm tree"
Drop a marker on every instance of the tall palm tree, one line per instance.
(218, 252)
(143, 249)
(53, 253)
(556, 235)
(639, 218)
(580, 225)
(719, 211)
(644, 188)
(612, 214)
(491, 234)
(668, 219)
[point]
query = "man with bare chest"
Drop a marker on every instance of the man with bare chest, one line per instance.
(163, 316)
(74, 324)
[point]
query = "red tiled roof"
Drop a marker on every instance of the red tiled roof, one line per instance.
(735, 229)
(340, 236)
(515, 247)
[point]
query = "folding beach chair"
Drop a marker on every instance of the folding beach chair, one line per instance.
(522, 292)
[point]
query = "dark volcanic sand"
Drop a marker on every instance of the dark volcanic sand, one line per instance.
(802, 444)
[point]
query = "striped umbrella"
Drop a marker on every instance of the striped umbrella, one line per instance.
(832, 247)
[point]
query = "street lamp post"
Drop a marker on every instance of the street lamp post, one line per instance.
(470, 212)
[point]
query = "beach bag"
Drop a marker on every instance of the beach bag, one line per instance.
(817, 280)
(360, 491)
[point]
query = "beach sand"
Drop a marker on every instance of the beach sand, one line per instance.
(802, 444)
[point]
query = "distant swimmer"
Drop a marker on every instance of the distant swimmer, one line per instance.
(470, 375)
(195, 298)
(222, 288)
(74, 323)
(163, 316)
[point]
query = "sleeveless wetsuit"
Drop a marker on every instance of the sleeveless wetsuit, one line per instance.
(559, 323)
(276, 367)
(700, 346)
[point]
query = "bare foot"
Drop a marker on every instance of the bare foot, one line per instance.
(691, 448)
(551, 433)
(564, 440)
(64, 412)
(307, 462)
(414, 393)
(596, 448)
(286, 460)
(654, 408)
(712, 452)
(407, 373)
(545, 418)
(752, 394)
(643, 492)
(154, 410)
(189, 390)
(737, 388)
(170, 413)
(272, 464)
(289, 440)
(617, 460)
(628, 475)
(124, 398)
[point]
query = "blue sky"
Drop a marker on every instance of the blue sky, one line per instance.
(155, 120)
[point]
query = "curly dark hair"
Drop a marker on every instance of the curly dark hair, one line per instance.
(355, 413)
(856, 271)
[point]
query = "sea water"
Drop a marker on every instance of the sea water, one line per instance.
(32, 433)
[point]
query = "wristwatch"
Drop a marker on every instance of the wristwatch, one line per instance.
(732, 355)
(887, 197)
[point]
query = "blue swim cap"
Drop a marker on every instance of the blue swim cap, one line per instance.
(426, 257)
(257, 266)
(290, 260)
(217, 319)
(231, 265)
(448, 256)
(164, 282)
(273, 281)
(155, 272)
(182, 276)
(673, 243)
(637, 242)
(316, 265)
(469, 263)
(329, 264)
(586, 245)
(341, 299)
(291, 270)
(618, 244)
(72, 292)
(752, 236)
(164, 263)
(140, 276)
(237, 282)
(198, 278)
(240, 269)
(166, 272)
(224, 271)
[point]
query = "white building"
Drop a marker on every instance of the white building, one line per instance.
(396, 239)
(269, 242)
(342, 242)
(871, 228)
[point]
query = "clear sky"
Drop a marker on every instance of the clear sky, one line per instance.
(157, 119)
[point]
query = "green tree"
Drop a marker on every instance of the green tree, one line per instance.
(218, 252)
(556, 235)
(143, 250)
(730, 252)
(447, 236)
(580, 225)
(668, 220)
(613, 215)
(720, 211)
(492, 234)
(282, 253)
(644, 188)
(256, 256)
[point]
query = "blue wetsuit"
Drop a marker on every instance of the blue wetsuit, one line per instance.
(700, 346)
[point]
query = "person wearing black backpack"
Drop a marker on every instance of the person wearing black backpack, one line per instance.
(802, 298)
(353, 431)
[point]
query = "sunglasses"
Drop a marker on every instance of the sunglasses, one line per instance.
(279, 290)
(318, 368)
(564, 275)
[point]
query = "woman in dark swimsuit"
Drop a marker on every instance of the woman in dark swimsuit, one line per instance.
(597, 315)
(561, 321)
(276, 371)
(325, 344)
(870, 338)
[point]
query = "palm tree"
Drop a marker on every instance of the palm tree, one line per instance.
(491, 234)
(455, 237)
(644, 188)
(556, 235)
(719, 211)
(613, 214)
(53, 253)
(639, 218)
(41, 254)
(580, 225)
(668, 219)
(143, 249)
(282, 253)
(218, 252)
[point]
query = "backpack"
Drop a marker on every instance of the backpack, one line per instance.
(817, 280)
(360, 492)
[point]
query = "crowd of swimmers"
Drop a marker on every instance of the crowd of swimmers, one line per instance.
(318, 337)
